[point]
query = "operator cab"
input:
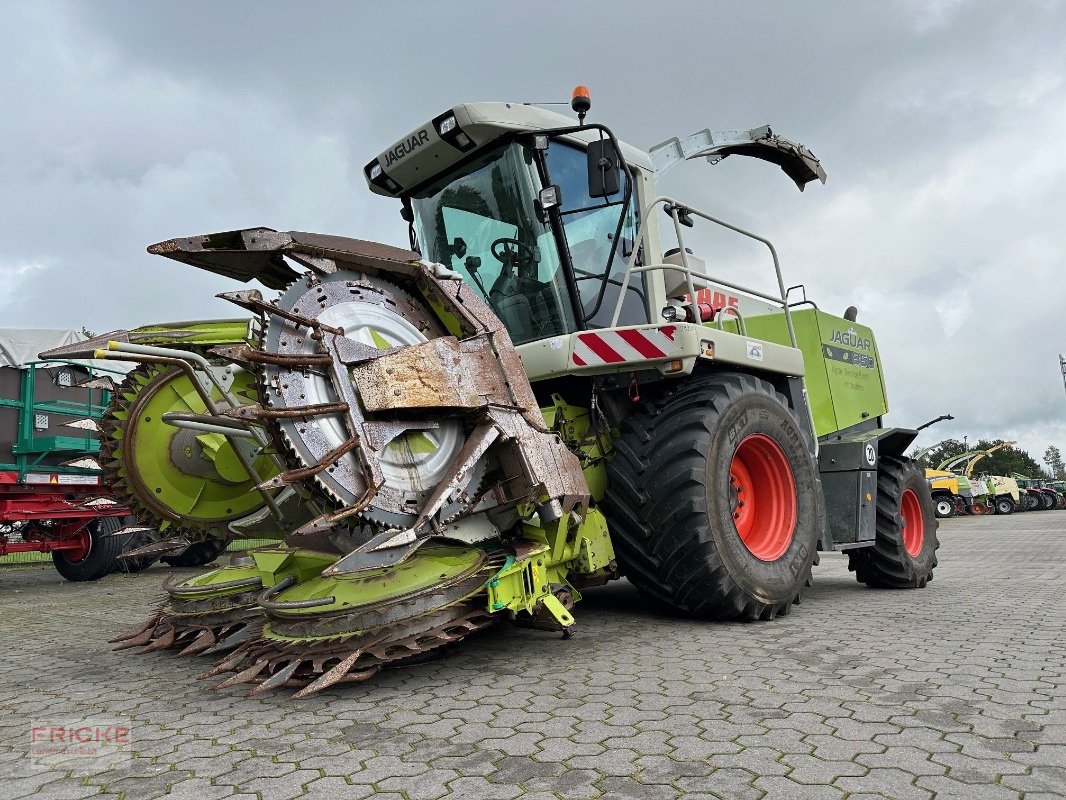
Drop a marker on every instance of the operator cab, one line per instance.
(541, 216)
(537, 214)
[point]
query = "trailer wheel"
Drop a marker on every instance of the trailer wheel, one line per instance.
(1004, 505)
(944, 507)
(197, 554)
(714, 505)
(903, 554)
(97, 558)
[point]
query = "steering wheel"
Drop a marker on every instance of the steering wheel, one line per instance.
(504, 254)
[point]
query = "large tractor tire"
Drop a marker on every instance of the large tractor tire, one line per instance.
(713, 504)
(1031, 501)
(198, 554)
(97, 558)
(1047, 502)
(944, 506)
(905, 543)
(1004, 505)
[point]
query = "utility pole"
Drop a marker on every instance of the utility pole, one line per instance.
(1062, 365)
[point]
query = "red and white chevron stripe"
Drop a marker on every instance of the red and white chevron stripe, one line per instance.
(618, 347)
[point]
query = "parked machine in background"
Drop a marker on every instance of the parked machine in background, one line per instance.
(1040, 494)
(957, 489)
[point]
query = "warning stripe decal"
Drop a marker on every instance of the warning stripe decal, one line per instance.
(603, 352)
(642, 344)
(617, 347)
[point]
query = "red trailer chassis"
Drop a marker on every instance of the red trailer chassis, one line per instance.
(52, 512)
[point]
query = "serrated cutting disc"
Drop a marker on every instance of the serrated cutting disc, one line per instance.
(415, 458)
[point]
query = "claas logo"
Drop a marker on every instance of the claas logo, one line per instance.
(717, 299)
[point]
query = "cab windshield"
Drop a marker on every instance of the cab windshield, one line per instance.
(483, 222)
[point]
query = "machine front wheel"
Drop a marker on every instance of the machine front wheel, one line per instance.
(944, 507)
(714, 505)
(1004, 505)
(903, 554)
(97, 558)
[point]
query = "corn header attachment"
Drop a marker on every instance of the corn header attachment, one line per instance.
(377, 416)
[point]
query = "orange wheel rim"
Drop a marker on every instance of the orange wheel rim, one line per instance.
(762, 497)
(913, 522)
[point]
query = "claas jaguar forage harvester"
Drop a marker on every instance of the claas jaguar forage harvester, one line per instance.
(546, 392)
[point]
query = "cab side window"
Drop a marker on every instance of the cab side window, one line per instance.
(590, 224)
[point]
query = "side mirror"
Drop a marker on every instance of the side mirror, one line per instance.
(605, 176)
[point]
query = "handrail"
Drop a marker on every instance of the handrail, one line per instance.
(685, 268)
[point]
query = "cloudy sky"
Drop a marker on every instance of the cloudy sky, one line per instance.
(940, 124)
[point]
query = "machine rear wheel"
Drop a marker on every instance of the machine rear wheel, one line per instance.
(1004, 505)
(1047, 502)
(904, 551)
(197, 554)
(714, 506)
(944, 507)
(98, 559)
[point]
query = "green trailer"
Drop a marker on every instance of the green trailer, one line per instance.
(52, 496)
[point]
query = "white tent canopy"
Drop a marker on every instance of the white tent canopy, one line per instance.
(20, 346)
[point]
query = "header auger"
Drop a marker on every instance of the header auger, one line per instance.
(541, 395)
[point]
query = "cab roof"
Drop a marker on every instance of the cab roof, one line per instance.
(463, 130)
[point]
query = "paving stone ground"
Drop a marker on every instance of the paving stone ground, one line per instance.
(954, 691)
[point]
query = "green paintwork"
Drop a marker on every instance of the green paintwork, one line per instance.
(573, 424)
(431, 565)
(550, 554)
(231, 494)
(270, 564)
(204, 333)
(843, 370)
(380, 342)
(28, 448)
(451, 322)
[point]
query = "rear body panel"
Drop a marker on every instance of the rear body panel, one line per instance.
(842, 366)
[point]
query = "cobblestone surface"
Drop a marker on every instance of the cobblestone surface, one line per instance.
(954, 691)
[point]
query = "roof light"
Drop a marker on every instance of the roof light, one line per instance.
(447, 125)
(581, 102)
(375, 172)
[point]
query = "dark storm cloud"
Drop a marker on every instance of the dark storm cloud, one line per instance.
(937, 122)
